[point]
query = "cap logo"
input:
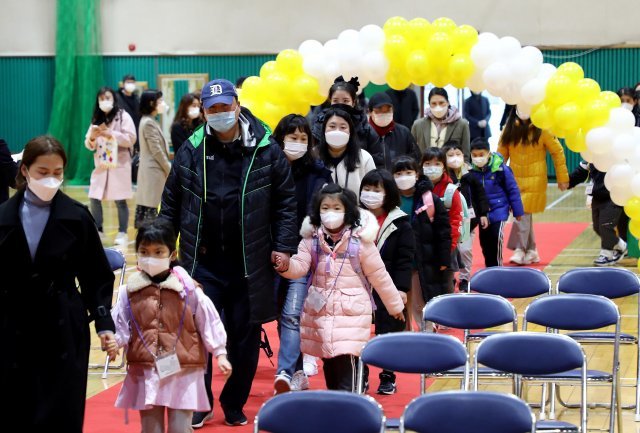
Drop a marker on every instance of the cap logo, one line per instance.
(216, 89)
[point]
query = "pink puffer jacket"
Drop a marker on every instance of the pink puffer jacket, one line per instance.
(343, 324)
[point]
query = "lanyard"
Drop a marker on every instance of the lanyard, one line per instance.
(146, 346)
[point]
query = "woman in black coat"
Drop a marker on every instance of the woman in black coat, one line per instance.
(8, 171)
(48, 242)
(395, 241)
(188, 118)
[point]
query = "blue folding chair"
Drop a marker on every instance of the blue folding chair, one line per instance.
(470, 311)
(320, 412)
(612, 283)
(567, 312)
(537, 357)
(414, 352)
(464, 412)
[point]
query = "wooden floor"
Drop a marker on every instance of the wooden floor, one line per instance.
(561, 207)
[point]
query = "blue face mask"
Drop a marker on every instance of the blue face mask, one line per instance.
(222, 122)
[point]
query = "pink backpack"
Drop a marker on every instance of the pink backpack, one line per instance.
(427, 200)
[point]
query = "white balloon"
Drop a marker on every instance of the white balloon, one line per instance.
(511, 94)
(314, 65)
(371, 38)
(635, 184)
(508, 48)
(349, 37)
(621, 175)
(634, 159)
(496, 76)
(621, 196)
(332, 71)
(376, 65)
(483, 54)
(620, 119)
(599, 141)
(546, 71)
(524, 111)
(608, 183)
(309, 48)
(533, 91)
(476, 83)
(487, 37)
(603, 162)
(526, 64)
(587, 155)
(331, 49)
(623, 147)
(635, 132)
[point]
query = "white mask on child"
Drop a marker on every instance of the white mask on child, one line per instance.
(454, 162)
(405, 182)
(332, 220)
(433, 172)
(480, 161)
(154, 266)
(372, 199)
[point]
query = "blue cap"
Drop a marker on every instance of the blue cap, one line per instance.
(218, 92)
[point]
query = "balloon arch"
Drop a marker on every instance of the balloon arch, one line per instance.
(419, 52)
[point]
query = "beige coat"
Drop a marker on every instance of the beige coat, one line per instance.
(154, 163)
(456, 131)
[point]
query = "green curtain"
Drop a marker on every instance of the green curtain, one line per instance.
(78, 76)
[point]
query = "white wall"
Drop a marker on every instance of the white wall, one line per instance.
(267, 26)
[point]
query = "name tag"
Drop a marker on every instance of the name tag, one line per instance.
(589, 189)
(316, 301)
(167, 365)
(472, 213)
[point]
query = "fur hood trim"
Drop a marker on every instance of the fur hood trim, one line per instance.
(141, 280)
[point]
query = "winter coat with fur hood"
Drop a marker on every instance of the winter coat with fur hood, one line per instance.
(343, 324)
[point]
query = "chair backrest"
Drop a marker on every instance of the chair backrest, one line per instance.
(466, 411)
(608, 282)
(116, 259)
(511, 282)
(530, 353)
(414, 352)
(572, 312)
(470, 311)
(320, 412)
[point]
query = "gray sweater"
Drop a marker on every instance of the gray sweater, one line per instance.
(34, 214)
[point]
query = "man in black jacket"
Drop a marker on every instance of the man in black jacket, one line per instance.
(477, 111)
(8, 171)
(130, 102)
(395, 138)
(406, 106)
(231, 196)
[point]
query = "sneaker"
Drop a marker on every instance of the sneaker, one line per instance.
(235, 418)
(282, 383)
(608, 258)
(517, 257)
(199, 418)
(121, 240)
(532, 256)
(463, 287)
(299, 381)
(622, 247)
(310, 365)
(387, 385)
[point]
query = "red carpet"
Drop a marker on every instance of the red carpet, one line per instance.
(102, 417)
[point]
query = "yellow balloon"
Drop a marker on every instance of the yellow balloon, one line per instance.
(418, 67)
(560, 89)
(541, 117)
(396, 48)
(398, 78)
(576, 141)
(318, 99)
(305, 88)
(395, 26)
(268, 68)
(440, 47)
(610, 98)
(252, 88)
(277, 87)
(443, 24)
(440, 79)
(632, 208)
(571, 70)
(418, 32)
(634, 227)
(289, 62)
(568, 116)
(464, 38)
(461, 67)
(595, 113)
(587, 89)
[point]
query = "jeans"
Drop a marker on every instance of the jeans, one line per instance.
(289, 358)
(123, 213)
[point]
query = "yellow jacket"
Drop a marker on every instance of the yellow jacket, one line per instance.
(529, 165)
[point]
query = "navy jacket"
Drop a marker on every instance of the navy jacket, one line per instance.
(475, 109)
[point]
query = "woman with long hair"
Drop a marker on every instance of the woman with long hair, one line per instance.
(188, 118)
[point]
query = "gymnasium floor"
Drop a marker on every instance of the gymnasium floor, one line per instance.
(567, 207)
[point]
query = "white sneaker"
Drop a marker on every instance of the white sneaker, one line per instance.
(517, 257)
(310, 365)
(121, 240)
(622, 247)
(532, 256)
(282, 383)
(299, 381)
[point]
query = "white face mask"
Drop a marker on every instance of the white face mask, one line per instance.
(382, 120)
(480, 161)
(372, 199)
(454, 161)
(433, 172)
(627, 106)
(405, 182)
(193, 112)
(154, 266)
(129, 87)
(45, 188)
(162, 107)
(439, 112)
(337, 139)
(294, 150)
(106, 105)
(332, 220)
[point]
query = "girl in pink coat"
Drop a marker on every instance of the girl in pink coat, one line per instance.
(338, 246)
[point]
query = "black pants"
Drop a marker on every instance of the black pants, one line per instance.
(340, 373)
(225, 285)
(491, 243)
(606, 216)
(386, 324)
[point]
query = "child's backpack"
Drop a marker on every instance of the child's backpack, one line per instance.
(427, 205)
(465, 229)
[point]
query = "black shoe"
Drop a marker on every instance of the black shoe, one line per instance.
(234, 417)
(199, 418)
(387, 385)
(463, 286)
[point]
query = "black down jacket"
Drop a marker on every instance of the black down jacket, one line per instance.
(267, 206)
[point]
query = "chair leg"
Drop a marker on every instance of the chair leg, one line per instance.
(543, 403)
(105, 372)
(637, 417)
(552, 402)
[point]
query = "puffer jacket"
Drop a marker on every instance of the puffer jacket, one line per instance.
(501, 189)
(529, 165)
(343, 324)
(267, 205)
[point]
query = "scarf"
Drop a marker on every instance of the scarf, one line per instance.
(452, 115)
(380, 130)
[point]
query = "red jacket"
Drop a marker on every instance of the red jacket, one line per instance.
(455, 212)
